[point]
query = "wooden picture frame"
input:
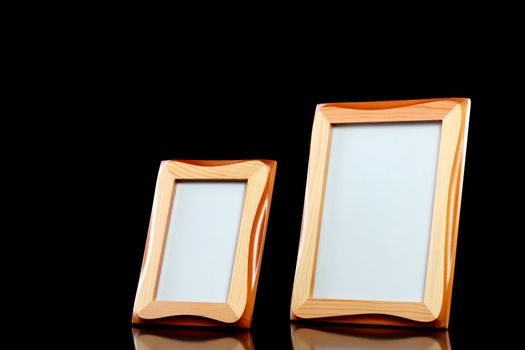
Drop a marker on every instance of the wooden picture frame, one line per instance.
(237, 308)
(433, 310)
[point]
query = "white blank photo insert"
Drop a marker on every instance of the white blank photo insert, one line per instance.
(202, 240)
(377, 212)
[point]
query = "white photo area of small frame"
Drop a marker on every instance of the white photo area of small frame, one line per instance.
(381, 211)
(205, 242)
(202, 234)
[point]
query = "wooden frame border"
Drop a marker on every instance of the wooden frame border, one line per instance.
(238, 309)
(434, 310)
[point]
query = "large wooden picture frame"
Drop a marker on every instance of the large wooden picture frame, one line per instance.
(434, 308)
(238, 307)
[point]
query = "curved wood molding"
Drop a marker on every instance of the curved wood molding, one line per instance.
(435, 308)
(217, 311)
(238, 309)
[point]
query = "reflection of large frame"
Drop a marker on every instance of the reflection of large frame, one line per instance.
(245, 249)
(384, 139)
(329, 337)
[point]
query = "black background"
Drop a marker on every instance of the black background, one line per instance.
(127, 114)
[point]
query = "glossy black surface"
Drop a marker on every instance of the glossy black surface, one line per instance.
(301, 337)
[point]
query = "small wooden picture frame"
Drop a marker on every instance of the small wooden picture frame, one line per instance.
(205, 243)
(381, 213)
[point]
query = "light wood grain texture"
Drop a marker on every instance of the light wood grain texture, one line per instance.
(430, 111)
(313, 308)
(434, 287)
(435, 308)
(311, 224)
(238, 309)
(159, 309)
(304, 338)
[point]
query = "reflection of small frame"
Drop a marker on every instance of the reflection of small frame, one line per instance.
(147, 339)
(205, 243)
(381, 213)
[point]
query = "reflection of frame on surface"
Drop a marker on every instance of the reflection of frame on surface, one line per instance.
(238, 309)
(435, 308)
(304, 338)
(191, 339)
